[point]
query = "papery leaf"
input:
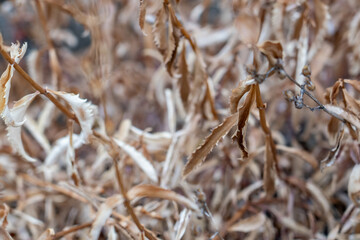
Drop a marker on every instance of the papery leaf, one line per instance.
(354, 185)
(103, 213)
(182, 223)
(351, 103)
(354, 83)
(139, 159)
(236, 94)
(248, 27)
(17, 114)
(152, 191)
(243, 115)
(183, 81)
(159, 31)
(4, 235)
(201, 152)
(47, 235)
(269, 165)
(346, 115)
(272, 50)
(249, 224)
(4, 212)
(142, 14)
(332, 155)
(83, 109)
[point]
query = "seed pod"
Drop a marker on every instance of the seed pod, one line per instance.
(289, 95)
(306, 71)
(310, 85)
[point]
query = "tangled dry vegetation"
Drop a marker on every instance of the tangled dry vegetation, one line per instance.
(180, 119)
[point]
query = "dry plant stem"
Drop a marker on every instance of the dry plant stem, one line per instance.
(127, 204)
(313, 98)
(261, 106)
(71, 230)
(53, 61)
(36, 86)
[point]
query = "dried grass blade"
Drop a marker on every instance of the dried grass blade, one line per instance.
(201, 152)
(146, 190)
(103, 214)
(183, 81)
(249, 224)
(139, 159)
(331, 157)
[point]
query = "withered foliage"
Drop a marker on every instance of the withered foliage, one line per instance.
(179, 119)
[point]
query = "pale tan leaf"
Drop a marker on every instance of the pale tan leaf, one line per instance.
(103, 214)
(47, 235)
(248, 27)
(83, 109)
(17, 114)
(354, 83)
(354, 185)
(201, 152)
(182, 223)
(236, 94)
(243, 115)
(348, 116)
(4, 235)
(300, 154)
(142, 14)
(139, 159)
(4, 211)
(159, 31)
(5, 81)
(331, 157)
(249, 224)
(351, 103)
(152, 191)
(272, 50)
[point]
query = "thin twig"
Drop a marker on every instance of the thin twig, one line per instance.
(321, 106)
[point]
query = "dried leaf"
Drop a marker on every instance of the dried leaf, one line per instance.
(351, 103)
(139, 159)
(4, 235)
(300, 154)
(346, 115)
(182, 223)
(183, 81)
(103, 214)
(243, 115)
(331, 157)
(354, 185)
(152, 191)
(142, 15)
(269, 171)
(272, 50)
(83, 109)
(201, 152)
(17, 114)
(159, 31)
(4, 212)
(47, 235)
(248, 27)
(249, 224)
(354, 83)
(236, 94)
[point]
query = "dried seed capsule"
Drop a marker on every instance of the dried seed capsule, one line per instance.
(289, 95)
(310, 85)
(306, 71)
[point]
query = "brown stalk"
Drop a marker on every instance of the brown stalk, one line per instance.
(54, 60)
(71, 230)
(36, 86)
